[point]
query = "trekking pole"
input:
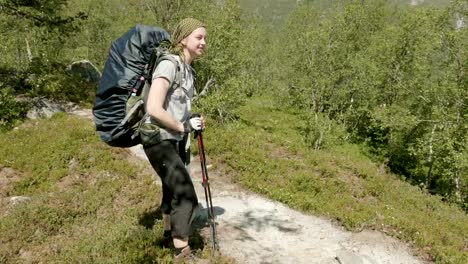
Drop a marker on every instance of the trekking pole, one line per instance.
(206, 186)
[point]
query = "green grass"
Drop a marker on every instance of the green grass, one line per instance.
(265, 152)
(89, 202)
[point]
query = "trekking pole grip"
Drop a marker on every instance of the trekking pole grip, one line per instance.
(195, 134)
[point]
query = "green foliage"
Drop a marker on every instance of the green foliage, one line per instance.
(34, 35)
(52, 81)
(58, 150)
(394, 78)
(100, 29)
(10, 109)
(40, 13)
(37, 29)
(224, 62)
(321, 132)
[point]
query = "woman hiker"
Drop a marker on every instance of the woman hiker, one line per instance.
(170, 107)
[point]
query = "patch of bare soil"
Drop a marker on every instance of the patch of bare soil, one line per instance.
(8, 177)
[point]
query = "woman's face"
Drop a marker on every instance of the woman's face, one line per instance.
(195, 43)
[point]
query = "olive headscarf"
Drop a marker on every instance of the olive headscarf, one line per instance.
(182, 30)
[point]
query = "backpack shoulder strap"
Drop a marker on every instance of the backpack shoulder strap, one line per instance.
(157, 57)
(177, 82)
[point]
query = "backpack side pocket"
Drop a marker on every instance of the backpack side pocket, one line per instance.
(150, 133)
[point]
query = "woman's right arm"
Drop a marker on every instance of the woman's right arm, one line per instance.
(154, 107)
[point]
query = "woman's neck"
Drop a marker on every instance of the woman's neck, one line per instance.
(187, 57)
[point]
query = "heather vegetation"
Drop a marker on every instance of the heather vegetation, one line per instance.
(351, 110)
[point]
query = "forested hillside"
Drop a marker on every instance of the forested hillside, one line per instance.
(392, 78)
(389, 78)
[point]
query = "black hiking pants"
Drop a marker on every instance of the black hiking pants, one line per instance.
(179, 200)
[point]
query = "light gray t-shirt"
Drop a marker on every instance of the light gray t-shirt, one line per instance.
(178, 102)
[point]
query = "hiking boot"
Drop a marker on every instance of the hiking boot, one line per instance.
(185, 256)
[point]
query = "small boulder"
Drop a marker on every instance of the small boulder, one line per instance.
(85, 69)
(44, 108)
(19, 199)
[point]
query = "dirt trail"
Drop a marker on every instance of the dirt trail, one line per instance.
(252, 229)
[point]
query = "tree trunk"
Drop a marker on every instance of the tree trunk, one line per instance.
(318, 141)
(430, 159)
(205, 89)
(456, 181)
(28, 49)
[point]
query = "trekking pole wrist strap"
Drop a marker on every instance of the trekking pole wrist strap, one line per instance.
(187, 127)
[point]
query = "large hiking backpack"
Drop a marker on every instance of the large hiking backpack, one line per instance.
(120, 98)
